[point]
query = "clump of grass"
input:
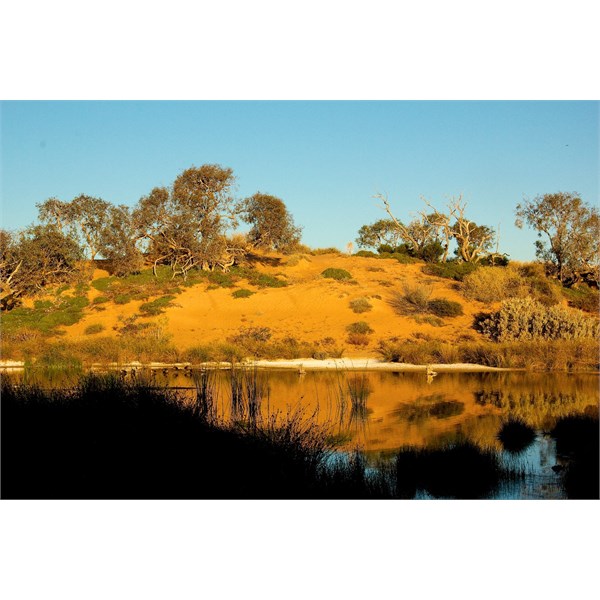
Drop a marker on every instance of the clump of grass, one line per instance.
(329, 348)
(95, 328)
(242, 293)
(100, 300)
(156, 307)
(359, 389)
(359, 327)
(358, 339)
(416, 300)
(122, 299)
(360, 305)
(515, 435)
(337, 274)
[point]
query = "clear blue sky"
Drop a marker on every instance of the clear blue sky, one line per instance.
(324, 159)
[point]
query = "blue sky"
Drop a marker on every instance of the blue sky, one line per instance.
(325, 159)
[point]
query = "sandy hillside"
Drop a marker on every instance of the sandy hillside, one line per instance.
(310, 308)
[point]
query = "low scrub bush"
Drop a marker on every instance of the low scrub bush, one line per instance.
(492, 284)
(95, 328)
(242, 293)
(359, 327)
(156, 307)
(257, 278)
(450, 270)
(337, 274)
(440, 307)
(46, 315)
(526, 319)
(360, 305)
(221, 279)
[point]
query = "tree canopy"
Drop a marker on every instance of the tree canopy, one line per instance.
(568, 231)
(272, 225)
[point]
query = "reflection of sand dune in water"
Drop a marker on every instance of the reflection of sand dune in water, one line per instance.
(402, 409)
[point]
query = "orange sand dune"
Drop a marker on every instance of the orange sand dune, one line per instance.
(310, 308)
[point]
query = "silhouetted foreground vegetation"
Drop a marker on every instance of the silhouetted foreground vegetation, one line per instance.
(515, 435)
(461, 470)
(107, 438)
(577, 440)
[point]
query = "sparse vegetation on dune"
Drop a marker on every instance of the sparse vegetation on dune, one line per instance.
(540, 355)
(415, 300)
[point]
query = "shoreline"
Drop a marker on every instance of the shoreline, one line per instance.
(299, 364)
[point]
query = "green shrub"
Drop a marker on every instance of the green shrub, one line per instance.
(46, 315)
(221, 279)
(526, 319)
(100, 299)
(366, 254)
(242, 293)
(450, 270)
(338, 274)
(359, 327)
(441, 307)
(156, 307)
(95, 328)
(257, 278)
(360, 305)
(122, 299)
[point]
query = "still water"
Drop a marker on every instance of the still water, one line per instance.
(380, 412)
(405, 409)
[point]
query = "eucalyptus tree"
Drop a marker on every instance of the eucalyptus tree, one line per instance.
(185, 226)
(272, 224)
(34, 258)
(568, 230)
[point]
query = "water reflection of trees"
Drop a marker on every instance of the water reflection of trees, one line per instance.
(539, 409)
(430, 407)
